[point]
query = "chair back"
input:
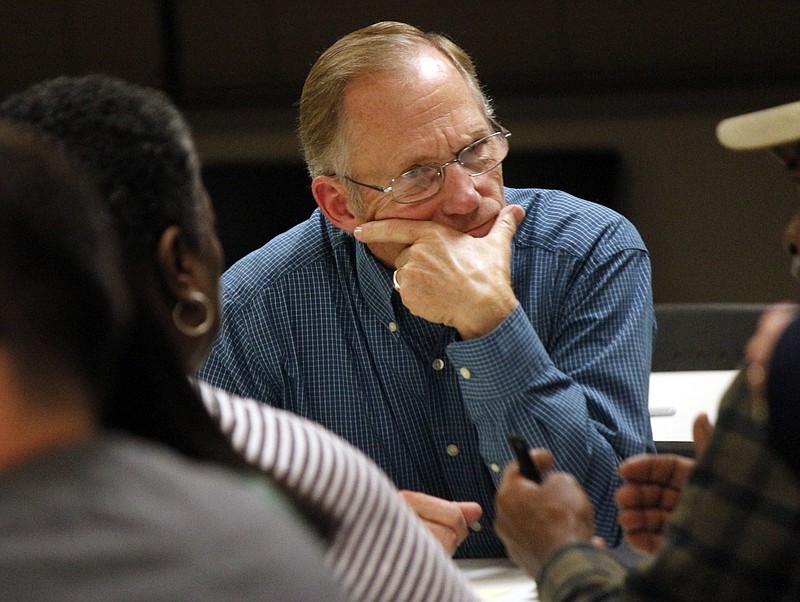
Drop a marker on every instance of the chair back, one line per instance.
(703, 336)
(695, 337)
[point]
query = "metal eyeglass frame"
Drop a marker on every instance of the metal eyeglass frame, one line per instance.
(500, 133)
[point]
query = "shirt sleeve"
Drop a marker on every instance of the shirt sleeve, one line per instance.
(380, 551)
(582, 393)
(782, 387)
(236, 362)
(581, 573)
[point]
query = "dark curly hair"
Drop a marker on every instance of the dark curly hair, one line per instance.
(137, 149)
(133, 141)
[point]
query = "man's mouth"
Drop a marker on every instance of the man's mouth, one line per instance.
(482, 230)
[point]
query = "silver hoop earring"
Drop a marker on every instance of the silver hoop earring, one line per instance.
(204, 326)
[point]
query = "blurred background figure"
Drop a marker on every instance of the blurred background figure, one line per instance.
(88, 512)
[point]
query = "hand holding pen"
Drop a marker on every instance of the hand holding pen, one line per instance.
(536, 516)
(522, 453)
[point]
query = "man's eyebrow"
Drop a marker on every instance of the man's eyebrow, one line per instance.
(421, 160)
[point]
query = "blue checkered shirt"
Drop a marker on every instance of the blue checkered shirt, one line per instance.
(312, 324)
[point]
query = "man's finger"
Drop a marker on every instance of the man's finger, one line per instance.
(472, 511)
(408, 231)
(396, 230)
(701, 433)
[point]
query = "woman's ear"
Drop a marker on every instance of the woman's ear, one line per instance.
(333, 199)
(177, 263)
(190, 297)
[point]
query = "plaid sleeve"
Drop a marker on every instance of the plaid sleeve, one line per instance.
(580, 572)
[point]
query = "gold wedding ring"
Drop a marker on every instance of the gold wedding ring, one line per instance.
(394, 280)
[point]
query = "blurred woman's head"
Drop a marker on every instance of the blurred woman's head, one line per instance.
(139, 151)
(63, 304)
(136, 148)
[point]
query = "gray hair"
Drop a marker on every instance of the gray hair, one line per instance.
(378, 48)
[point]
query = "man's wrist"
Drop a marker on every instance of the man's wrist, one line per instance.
(492, 314)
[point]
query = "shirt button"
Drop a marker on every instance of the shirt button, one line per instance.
(495, 467)
(465, 373)
(438, 364)
(476, 526)
(392, 327)
(452, 450)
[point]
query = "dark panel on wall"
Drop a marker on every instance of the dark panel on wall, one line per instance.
(254, 202)
(236, 52)
(47, 38)
(592, 174)
(220, 54)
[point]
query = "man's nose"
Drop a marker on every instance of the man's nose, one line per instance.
(791, 244)
(460, 195)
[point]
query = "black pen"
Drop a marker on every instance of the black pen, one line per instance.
(526, 465)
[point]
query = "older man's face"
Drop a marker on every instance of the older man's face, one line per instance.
(426, 115)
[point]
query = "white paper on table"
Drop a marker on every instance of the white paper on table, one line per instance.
(498, 580)
(676, 398)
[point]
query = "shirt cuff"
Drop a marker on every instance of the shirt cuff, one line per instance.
(502, 362)
(580, 572)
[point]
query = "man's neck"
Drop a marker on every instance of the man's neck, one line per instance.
(32, 427)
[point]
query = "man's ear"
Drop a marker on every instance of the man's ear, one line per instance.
(333, 199)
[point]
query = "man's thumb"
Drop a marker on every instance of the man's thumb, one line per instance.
(472, 511)
(507, 221)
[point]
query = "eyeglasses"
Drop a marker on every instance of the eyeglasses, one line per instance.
(422, 182)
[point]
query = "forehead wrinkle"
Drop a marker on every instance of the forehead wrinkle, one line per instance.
(437, 116)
